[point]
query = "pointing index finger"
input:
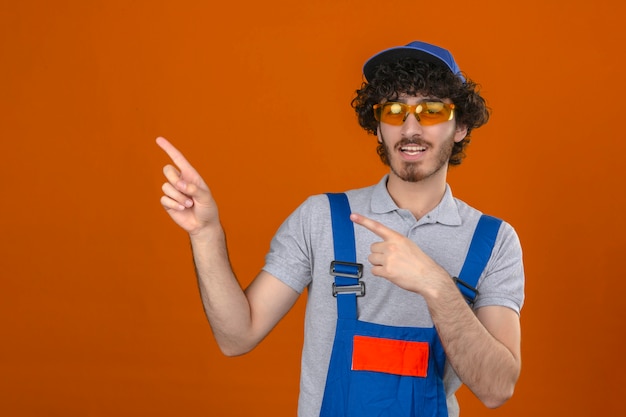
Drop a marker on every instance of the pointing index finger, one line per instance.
(373, 226)
(175, 155)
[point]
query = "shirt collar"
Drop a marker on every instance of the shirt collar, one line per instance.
(446, 212)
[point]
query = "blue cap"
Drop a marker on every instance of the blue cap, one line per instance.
(419, 50)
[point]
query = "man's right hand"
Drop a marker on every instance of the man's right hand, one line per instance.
(187, 198)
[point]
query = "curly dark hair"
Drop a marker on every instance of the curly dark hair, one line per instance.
(412, 77)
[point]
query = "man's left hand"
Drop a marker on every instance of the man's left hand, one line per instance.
(400, 260)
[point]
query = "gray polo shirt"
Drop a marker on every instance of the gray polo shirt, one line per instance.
(302, 249)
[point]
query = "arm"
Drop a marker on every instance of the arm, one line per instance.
(483, 348)
(239, 320)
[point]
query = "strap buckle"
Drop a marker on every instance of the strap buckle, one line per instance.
(346, 269)
(358, 289)
(469, 288)
(351, 270)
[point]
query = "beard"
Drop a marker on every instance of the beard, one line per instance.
(418, 170)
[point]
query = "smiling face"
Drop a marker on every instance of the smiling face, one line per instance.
(415, 152)
(414, 78)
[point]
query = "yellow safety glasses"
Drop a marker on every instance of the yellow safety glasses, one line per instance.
(427, 112)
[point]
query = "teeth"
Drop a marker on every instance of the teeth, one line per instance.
(413, 149)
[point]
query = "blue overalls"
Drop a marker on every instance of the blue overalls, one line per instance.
(384, 371)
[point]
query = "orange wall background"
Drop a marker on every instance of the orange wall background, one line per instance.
(99, 311)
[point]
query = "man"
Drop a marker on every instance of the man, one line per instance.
(409, 336)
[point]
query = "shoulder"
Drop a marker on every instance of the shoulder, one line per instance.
(502, 281)
(472, 215)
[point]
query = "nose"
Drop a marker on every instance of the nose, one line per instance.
(411, 126)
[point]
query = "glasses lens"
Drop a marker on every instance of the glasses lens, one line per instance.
(434, 112)
(391, 113)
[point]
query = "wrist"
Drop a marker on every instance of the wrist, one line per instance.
(207, 233)
(442, 285)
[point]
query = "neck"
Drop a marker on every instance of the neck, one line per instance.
(418, 197)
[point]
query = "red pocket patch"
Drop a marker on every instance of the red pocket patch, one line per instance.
(398, 357)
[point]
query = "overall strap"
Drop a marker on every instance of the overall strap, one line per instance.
(478, 255)
(347, 272)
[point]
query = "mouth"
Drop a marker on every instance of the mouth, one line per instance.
(412, 149)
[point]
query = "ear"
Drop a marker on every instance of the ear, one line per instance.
(378, 135)
(460, 133)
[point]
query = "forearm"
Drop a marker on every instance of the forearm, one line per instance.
(486, 365)
(225, 303)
